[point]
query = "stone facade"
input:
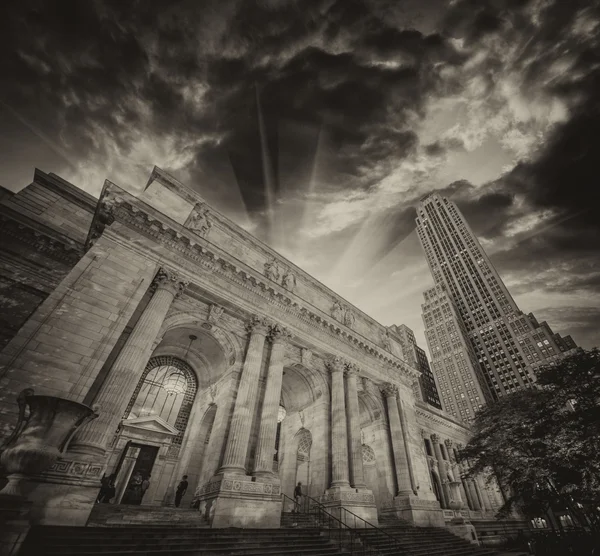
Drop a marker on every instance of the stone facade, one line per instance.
(210, 355)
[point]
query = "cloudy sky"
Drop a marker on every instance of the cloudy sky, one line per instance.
(318, 124)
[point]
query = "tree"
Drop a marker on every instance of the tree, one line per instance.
(543, 443)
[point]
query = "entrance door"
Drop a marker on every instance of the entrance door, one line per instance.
(136, 464)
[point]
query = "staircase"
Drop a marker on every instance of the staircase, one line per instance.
(291, 520)
(111, 515)
(159, 541)
(420, 541)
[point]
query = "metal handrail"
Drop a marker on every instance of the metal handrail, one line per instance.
(326, 520)
(378, 529)
(353, 531)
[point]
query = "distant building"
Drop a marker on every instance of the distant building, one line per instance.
(417, 357)
(507, 344)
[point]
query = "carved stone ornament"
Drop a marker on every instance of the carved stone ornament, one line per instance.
(352, 369)
(336, 364)
(435, 438)
(258, 325)
(386, 342)
(448, 443)
(279, 333)
(200, 221)
(423, 433)
(337, 311)
(289, 281)
(40, 437)
(169, 280)
(389, 390)
(306, 357)
(272, 270)
(349, 318)
(215, 312)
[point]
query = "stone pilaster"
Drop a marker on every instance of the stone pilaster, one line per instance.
(486, 503)
(245, 403)
(401, 464)
(128, 367)
(339, 432)
(355, 444)
(263, 462)
(435, 442)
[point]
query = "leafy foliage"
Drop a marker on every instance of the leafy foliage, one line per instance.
(543, 444)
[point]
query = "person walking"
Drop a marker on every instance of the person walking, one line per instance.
(181, 490)
(145, 486)
(298, 496)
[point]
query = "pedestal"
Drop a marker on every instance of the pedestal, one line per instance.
(415, 510)
(233, 500)
(65, 494)
(14, 524)
(359, 501)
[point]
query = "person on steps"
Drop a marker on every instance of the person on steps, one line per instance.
(298, 496)
(181, 490)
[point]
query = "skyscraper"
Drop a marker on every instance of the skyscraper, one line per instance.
(415, 355)
(506, 344)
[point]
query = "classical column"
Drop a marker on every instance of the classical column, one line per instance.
(400, 461)
(234, 460)
(356, 460)
(339, 432)
(263, 462)
(435, 442)
(405, 439)
(128, 367)
(473, 492)
(482, 493)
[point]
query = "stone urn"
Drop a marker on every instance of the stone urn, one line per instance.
(455, 501)
(40, 437)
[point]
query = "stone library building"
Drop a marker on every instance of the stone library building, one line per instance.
(152, 347)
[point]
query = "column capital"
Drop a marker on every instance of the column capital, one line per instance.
(389, 390)
(459, 447)
(279, 334)
(168, 279)
(448, 443)
(352, 370)
(335, 364)
(423, 433)
(435, 438)
(258, 325)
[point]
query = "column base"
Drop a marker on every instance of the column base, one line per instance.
(359, 501)
(233, 500)
(415, 510)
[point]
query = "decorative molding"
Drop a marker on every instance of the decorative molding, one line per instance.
(238, 486)
(306, 357)
(347, 496)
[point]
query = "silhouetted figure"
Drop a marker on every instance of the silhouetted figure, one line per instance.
(298, 496)
(107, 490)
(181, 490)
(144, 487)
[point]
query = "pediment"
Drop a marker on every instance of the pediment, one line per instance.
(151, 423)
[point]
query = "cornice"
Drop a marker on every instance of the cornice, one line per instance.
(444, 421)
(61, 249)
(137, 215)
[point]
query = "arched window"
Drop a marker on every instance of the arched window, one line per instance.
(368, 455)
(166, 389)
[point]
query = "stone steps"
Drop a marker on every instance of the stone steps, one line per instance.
(104, 541)
(122, 515)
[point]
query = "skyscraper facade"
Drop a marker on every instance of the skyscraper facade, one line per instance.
(417, 357)
(507, 344)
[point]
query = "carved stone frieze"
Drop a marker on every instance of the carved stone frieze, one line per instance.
(337, 311)
(349, 318)
(289, 281)
(215, 312)
(273, 270)
(199, 220)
